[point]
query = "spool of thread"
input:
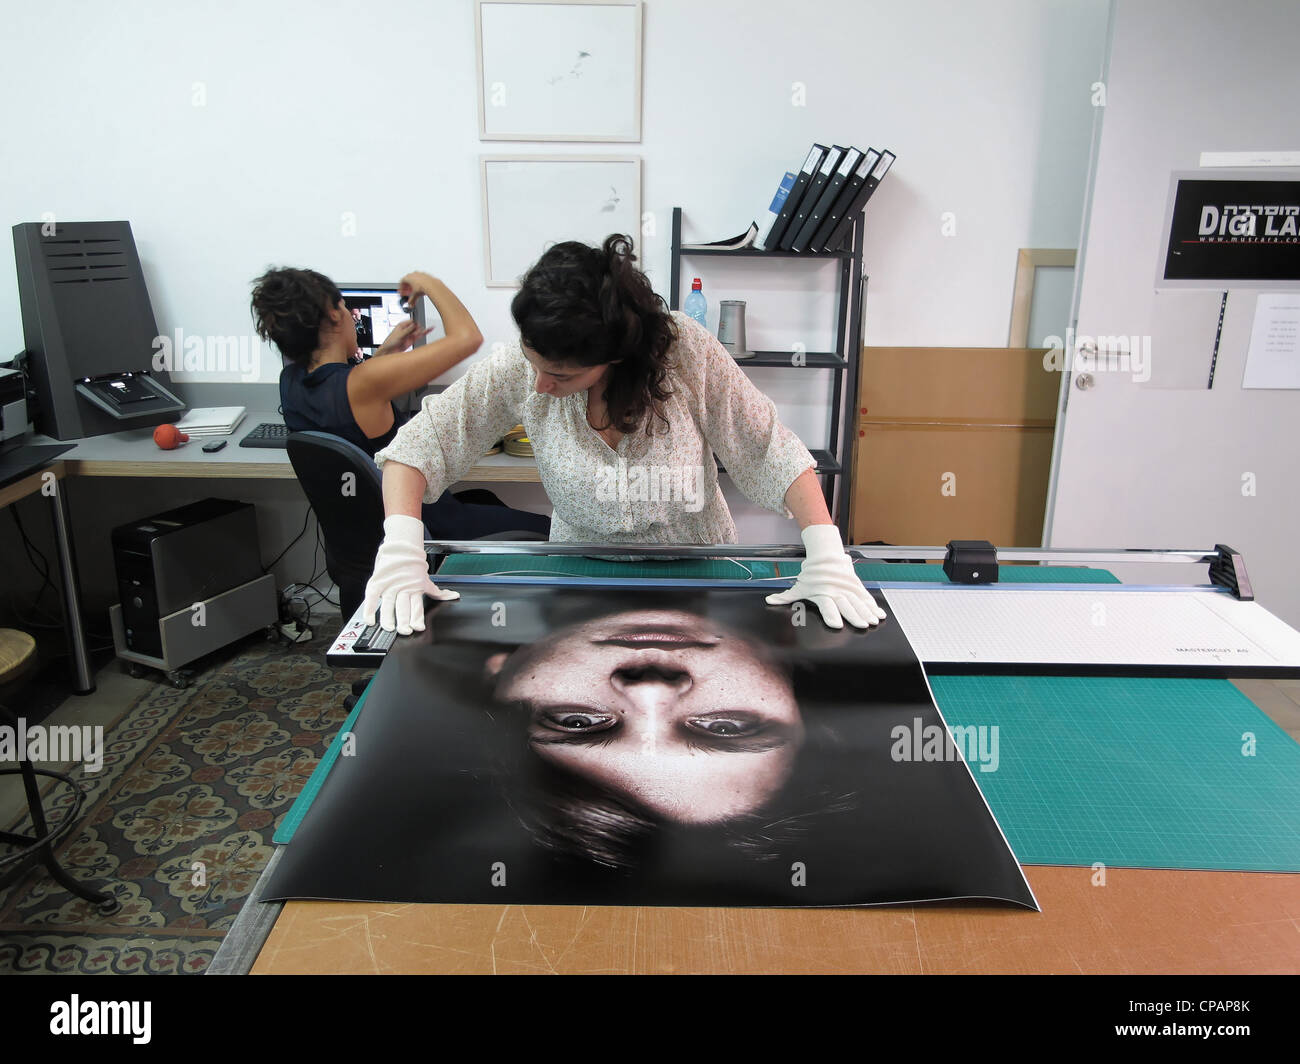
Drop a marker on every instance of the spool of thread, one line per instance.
(169, 437)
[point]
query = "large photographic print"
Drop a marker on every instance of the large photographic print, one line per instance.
(631, 745)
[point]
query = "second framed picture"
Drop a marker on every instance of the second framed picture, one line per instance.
(533, 201)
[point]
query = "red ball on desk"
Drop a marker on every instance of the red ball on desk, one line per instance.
(169, 437)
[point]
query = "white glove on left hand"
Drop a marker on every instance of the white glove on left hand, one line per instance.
(828, 581)
(397, 587)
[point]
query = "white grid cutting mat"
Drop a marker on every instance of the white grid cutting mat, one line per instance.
(1093, 625)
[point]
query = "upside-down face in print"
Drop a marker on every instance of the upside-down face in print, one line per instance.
(634, 745)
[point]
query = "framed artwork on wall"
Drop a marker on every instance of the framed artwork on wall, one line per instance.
(559, 71)
(533, 201)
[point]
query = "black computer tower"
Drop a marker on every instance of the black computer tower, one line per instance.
(172, 560)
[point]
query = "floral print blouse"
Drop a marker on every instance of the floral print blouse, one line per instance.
(660, 487)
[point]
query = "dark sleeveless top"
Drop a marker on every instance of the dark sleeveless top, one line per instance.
(319, 400)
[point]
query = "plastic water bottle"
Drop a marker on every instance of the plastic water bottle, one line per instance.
(695, 304)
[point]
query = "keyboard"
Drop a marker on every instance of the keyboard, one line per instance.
(267, 434)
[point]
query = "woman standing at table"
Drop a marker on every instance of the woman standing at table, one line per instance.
(626, 405)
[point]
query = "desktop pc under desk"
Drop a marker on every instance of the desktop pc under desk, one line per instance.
(133, 453)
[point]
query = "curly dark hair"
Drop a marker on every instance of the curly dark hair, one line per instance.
(588, 306)
(288, 308)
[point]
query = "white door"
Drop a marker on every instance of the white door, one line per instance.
(1138, 463)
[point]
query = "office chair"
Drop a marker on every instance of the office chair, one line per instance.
(351, 521)
(344, 488)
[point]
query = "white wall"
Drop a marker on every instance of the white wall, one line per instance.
(314, 109)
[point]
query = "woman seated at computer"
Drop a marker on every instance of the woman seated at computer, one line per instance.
(626, 406)
(323, 387)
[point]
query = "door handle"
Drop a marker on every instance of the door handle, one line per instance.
(1086, 352)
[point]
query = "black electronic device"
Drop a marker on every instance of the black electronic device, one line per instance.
(971, 561)
(267, 434)
(15, 422)
(124, 390)
(1229, 570)
(19, 462)
(89, 330)
(213, 446)
(179, 559)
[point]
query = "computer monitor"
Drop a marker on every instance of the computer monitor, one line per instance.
(376, 312)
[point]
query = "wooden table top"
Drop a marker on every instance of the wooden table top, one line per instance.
(1140, 921)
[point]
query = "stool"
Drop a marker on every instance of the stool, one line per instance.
(17, 655)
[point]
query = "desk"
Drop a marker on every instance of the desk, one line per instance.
(30, 484)
(134, 454)
(1141, 921)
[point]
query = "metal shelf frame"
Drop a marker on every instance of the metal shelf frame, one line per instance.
(834, 462)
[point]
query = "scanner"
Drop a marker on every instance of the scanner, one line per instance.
(89, 330)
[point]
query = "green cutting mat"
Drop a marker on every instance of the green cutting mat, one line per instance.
(317, 779)
(1133, 771)
(1130, 771)
(570, 565)
(1007, 574)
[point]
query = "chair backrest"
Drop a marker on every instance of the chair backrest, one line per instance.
(345, 490)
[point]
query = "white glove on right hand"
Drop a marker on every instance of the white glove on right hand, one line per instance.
(827, 580)
(401, 578)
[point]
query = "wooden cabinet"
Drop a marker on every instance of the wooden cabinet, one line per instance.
(952, 443)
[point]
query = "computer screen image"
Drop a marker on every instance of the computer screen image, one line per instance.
(376, 312)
